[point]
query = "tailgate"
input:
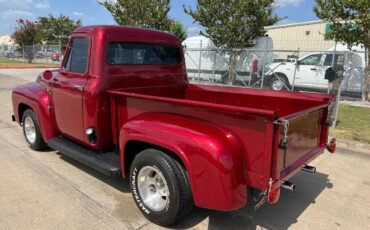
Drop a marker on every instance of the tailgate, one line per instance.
(307, 135)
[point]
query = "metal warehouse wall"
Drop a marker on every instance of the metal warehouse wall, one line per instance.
(305, 36)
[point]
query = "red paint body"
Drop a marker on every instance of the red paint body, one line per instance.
(225, 136)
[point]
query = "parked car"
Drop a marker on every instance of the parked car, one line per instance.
(12, 52)
(57, 56)
(309, 72)
(45, 53)
(123, 105)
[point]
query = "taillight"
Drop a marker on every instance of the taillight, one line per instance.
(255, 66)
(274, 192)
(331, 146)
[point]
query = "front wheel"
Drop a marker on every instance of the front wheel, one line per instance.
(279, 82)
(160, 187)
(31, 130)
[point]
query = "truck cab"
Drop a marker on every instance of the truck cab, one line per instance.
(76, 92)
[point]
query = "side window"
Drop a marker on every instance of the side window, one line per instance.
(77, 56)
(329, 59)
(311, 60)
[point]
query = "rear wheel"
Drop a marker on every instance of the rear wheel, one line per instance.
(31, 130)
(160, 187)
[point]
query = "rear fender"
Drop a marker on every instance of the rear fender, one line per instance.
(211, 155)
(35, 97)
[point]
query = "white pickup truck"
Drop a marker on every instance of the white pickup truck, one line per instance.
(310, 72)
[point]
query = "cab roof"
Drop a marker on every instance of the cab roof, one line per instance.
(129, 34)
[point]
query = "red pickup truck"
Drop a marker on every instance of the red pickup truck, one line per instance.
(121, 104)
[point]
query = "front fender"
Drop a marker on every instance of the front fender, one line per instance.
(34, 96)
(211, 155)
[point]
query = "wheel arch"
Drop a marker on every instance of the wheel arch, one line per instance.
(32, 96)
(283, 75)
(134, 147)
(210, 155)
(22, 107)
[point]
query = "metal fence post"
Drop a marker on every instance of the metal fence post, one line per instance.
(23, 52)
(13, 53)
(336, 108)
(200, 60)
(214, 67)
(263, 68)
(332, 65)
(295, 70)
(46, 54)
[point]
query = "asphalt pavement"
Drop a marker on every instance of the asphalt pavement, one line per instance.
(46, 190)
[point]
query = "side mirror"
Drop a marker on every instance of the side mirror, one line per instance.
(298, 62)
(47, 75)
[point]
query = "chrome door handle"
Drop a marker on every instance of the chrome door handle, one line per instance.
(79, 87)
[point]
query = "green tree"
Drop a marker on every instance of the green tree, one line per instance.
(26, 35)
(350, 24)
(177, 28)
(57, 29)
(233, 24)
(140, 13)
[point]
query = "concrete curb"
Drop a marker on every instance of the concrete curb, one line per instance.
(353, 145)
(28, 67)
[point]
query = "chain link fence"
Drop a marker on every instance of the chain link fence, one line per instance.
(42, 54)
(291, 70)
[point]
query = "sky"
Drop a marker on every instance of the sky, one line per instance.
(92, 13)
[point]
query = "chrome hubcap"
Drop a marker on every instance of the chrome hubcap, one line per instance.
(277, 85)
(29, 130)
(153, 188)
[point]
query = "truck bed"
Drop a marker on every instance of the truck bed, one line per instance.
(253, 116)
(263, 101)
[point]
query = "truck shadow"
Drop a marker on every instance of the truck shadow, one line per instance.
(279, 216)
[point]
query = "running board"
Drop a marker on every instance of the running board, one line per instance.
(107, 163)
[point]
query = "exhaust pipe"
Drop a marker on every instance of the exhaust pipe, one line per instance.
(288, 185)
(308, 168)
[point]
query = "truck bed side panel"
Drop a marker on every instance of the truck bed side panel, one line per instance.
(249, 130)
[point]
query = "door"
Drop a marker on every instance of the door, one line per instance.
(68, 88)
(307, 70)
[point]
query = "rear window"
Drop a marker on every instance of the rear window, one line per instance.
(123, 53)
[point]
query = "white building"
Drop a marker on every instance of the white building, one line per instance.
(6, 39)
